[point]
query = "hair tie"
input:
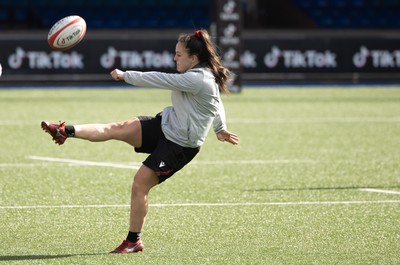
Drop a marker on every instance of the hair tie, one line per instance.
(198, 34)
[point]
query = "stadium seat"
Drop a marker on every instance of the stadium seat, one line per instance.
(174, 13)
(352, 13)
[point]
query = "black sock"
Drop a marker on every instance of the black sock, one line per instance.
(133, 236)
(70, 131)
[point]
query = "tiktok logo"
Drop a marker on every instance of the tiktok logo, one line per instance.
(379, 58)
(228, 12)
(300, 59)
(44, 60)
(135, 59)
(271, 59)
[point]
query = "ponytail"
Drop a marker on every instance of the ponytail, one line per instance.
(200, 44)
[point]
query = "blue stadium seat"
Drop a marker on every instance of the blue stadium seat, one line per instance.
(4, 14)
(305, 3)
(21, 14)
(174, 13)
(352, 13)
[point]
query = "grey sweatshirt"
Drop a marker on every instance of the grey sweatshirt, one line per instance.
(196, 104)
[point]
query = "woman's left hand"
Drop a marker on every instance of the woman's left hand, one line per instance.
(227, 136)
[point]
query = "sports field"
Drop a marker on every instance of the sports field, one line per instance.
(314, 180)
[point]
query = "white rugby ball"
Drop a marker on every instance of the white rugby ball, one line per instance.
(66, 33)
(1, 69)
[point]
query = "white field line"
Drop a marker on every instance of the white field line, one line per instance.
(381, 191)
(261, 120)
(238, 204)
(83, 162)
(4, 165)
(316, 120)
(274, 161)
(119, 165)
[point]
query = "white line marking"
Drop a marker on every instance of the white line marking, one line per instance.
(381, 191)
(64, 206)
(270, 203)
(200, 204)
(256, 120)
(119, 165)
(4, 165)
(277, 161)
(82, 162)
(315, 120)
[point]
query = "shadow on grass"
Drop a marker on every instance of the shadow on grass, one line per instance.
(34, 257)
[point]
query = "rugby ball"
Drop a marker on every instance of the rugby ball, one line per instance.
(1, 70)
(66, 33)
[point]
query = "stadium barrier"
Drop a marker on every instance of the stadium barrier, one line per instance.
(267, 56)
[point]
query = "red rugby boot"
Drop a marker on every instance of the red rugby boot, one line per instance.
(129, 247)
(57, 131)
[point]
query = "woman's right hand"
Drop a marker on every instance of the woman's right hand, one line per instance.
(117, 74)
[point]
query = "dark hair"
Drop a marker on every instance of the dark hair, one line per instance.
(201, 45)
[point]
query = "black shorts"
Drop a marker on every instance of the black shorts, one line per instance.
(166, 157)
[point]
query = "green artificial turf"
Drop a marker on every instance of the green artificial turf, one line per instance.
(314, 180)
